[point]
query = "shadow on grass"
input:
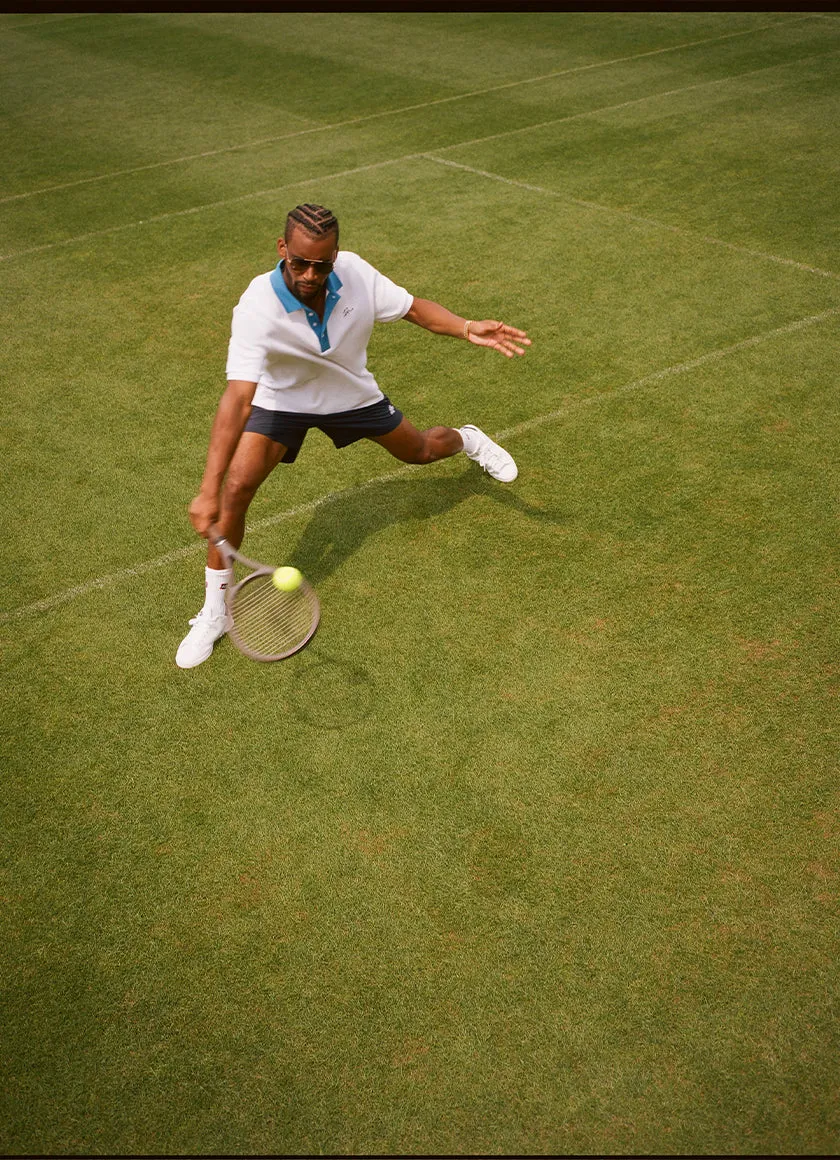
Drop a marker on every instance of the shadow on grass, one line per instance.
(329, 691)
(339, 527)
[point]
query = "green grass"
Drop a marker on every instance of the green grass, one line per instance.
(535, 848)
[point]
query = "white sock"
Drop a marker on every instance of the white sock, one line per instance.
(216, 581)
(470, 440)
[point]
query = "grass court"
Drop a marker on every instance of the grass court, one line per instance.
(535, 848)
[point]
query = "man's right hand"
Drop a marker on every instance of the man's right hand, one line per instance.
(204, 511)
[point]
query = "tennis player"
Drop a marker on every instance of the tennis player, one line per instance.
(298, 359)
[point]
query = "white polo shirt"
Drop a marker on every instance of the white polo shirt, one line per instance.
(300, 363)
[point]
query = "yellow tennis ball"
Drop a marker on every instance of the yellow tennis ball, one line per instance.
(286, 579)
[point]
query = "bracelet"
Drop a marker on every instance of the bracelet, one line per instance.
(467, 326)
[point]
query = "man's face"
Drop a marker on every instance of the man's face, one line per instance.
(306, 281)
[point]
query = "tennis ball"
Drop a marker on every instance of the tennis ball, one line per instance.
(286, 579)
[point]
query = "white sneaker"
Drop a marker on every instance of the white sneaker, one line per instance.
(197, 645)
(487, 454)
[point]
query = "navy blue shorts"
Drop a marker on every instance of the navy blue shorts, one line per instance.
(343, 427)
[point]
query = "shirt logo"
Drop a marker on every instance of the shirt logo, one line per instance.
(347, 310)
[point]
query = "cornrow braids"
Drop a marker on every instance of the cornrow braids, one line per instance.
(315, 219)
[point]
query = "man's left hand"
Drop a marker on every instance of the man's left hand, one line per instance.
(505, 339)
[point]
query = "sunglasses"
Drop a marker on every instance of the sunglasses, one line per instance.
(301, 265)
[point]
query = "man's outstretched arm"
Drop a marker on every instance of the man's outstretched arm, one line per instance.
(228, 425)
(436, 318)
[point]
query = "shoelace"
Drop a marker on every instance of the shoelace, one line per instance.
(491, 457)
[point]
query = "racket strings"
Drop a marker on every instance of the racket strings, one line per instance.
(270, 623)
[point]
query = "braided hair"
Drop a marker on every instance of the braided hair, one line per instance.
(315, 219)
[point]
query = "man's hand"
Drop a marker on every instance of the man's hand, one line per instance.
(204, 511)
(500, 337)
(436, 318)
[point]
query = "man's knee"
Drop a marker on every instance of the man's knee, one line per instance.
(238, 491)
(425, 450)
(439, 443)
(412, 446)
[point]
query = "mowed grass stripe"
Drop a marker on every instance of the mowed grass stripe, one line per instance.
(16, 254)
(642, 100)
(178, 554)
(241, 146)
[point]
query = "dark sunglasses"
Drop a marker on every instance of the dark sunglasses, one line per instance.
(300, 265)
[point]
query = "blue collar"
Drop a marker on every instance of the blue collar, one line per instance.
(278, 285)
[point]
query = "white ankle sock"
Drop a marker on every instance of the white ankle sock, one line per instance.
(469, 438)
(216, 581)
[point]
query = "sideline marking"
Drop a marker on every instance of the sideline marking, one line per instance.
(201, 208)
(681, 231)
(99, 582)
(388, 112)
(677, 369)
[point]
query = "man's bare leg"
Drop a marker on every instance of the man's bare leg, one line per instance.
(413, 446)
(255, 458)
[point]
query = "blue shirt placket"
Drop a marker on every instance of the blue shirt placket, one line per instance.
(291, 303)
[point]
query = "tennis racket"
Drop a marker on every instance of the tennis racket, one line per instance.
(268, 625)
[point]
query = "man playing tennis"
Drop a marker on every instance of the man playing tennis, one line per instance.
(298, 359)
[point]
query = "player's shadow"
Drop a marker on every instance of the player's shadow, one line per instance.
(340, 526)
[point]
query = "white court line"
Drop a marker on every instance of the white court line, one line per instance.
(392, 112)
(397, 160)
(638, 101)
(681, 231)
(677, 369)
(201, 208)
(100, 582)
(193, 549)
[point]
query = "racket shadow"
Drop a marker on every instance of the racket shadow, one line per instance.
(339, 528)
